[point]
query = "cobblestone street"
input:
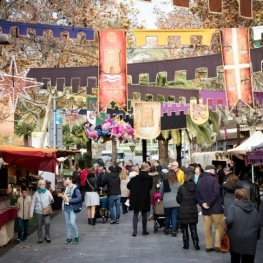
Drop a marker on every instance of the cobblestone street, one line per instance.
(112, 244)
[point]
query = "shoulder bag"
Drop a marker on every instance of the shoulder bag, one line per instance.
(46, 210)
(225, 243)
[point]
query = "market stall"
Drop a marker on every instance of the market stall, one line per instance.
(19, 168)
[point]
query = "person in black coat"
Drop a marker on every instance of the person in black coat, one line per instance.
(91, 197)
(243, 228)
(140, 187)
(113, 182)
(188, 213)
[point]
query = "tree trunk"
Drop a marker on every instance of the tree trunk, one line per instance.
(76, 163)
(46, 119)
(25, 140)
(114, 152)
(163, 152)
(70, 160)
(89, 153)
(179, 154)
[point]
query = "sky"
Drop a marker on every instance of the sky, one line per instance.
(146, 15)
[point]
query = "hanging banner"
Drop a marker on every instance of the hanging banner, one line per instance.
(237, 68)
(93, 116)
(112, 69)
(147, 119)
(246, 8)
(198, 112)
(181, 3)
(215, 6)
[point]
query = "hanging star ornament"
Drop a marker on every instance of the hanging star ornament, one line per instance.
(15, 84)
(72, 115)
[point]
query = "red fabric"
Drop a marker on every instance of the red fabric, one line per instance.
(7, 215)
(31, 158)
(83, 177)
(215, 6)
(245, 8)
(155, 197)
(182, 3)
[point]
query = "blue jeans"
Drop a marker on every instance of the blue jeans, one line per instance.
(114, 200)
(22, 223)
(70, 218)
(171, 216)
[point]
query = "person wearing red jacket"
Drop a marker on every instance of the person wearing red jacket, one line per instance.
(83, 177)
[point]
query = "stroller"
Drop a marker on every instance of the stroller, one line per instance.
(102, 210)
(158, 216)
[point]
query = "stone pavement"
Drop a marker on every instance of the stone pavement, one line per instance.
(112, 244)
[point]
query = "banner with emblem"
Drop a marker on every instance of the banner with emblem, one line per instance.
(237, 67)
(112, 69)
(198, 112)
(93, 116)
(147, 119)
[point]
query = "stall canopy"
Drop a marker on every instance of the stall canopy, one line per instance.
(31, 158)
(255, 139)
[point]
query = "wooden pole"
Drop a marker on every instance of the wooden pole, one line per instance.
(144, 150)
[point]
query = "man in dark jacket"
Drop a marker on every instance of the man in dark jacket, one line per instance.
(114, 193)
(208, 197)
(140, 187)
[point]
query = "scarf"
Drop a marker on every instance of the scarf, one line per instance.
(41, 190)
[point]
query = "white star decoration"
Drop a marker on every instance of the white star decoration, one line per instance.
(15, 84)
(72, 116)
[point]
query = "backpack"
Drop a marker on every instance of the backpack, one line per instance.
(77, 207)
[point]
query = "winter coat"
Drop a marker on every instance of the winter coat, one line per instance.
(156, 178)
(180, 176)
(125, 192)
(207, 191)
(39, 201)
(140, 187)
(132, 174)
(23, 207)
(228, 193)
(91, 183)
(188, 213)
(113, 183)
(76, 196)
(169, 193)
(243, 224)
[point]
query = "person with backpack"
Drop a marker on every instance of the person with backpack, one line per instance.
(72, 202)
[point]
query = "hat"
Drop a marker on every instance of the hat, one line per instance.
(189, 170)
(210, 167)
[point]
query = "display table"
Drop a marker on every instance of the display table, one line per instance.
(7, 222)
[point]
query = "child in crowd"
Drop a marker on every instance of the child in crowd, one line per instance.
(23, 206)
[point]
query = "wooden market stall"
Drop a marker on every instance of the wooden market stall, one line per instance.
(19, 168)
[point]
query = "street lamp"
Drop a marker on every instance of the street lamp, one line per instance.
(132, 148)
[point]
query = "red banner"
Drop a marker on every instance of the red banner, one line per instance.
(112, 69)
(236, 60)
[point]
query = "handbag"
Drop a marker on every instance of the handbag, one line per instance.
(225, 243)
(46, 210)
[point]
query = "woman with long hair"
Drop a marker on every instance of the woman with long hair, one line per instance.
(91, 197)
(229, 188)
(243, 228)
(125, 192)
(41, 199)
(169, 189)
(134, 171)
(188, 214)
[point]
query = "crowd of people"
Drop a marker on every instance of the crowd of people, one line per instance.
(218, 195)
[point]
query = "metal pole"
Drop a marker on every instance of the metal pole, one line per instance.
(54, 122)
(253, 175)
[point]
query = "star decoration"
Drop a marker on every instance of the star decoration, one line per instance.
(72, 115)
(15, 84)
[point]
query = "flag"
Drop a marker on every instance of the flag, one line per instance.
(215, 6)
(237, 68)
(93, 116)
(181, 3)
(245, 8)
